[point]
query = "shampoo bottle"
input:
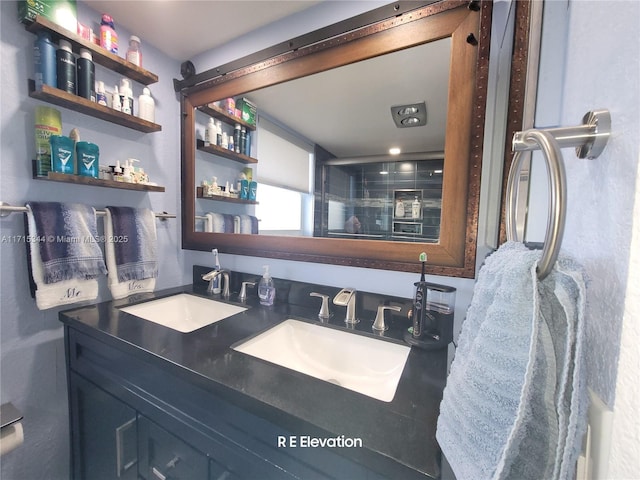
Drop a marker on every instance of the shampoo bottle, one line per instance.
(66, 68)
(44, 53)
(86, 75)
(266, 288)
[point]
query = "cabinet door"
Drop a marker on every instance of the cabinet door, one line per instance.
(103, 433)
(164, 456)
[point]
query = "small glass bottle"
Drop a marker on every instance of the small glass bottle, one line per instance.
(134, 53)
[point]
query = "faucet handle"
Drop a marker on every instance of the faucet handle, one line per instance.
(378, 324)
(324, 313)
(243, 291)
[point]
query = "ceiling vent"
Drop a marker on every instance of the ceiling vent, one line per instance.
(413, 115)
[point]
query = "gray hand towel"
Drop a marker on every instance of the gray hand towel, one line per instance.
(515, 403)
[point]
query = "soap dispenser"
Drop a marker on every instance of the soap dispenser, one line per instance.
(266, 288)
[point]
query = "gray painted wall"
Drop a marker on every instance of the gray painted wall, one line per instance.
(33, 375)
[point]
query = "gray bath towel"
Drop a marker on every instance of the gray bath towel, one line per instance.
(515, 404)
(67, 238)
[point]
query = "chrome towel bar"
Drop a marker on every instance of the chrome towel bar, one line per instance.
(589, 140)
(7, 209)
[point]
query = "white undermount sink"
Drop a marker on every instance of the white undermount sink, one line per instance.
(362, 364)
(183, 312)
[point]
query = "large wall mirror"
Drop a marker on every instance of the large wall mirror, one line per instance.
(327, 116)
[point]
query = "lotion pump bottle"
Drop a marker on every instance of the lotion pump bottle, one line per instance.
(415, 208)
(266, 288)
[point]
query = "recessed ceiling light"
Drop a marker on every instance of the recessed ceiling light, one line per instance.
(411, 115)
(412, 110)
(394, 151)
(410, 121)
(384, 172)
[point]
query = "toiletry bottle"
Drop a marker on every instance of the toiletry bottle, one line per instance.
(266, 288)
(253, 190)
(44, 54)
(243, 141)
(134, 53)
(209, 133)
(237, 134)
(216, 266)
(117, 172)
(399, 209)
(101, 97)
(86, 75)
(225, 141)
(126, 172)
(247, 145)
(116, 103)
(108, 35)
(231, 142)
(146, 106)
(66, 67)
(126, 96)
(218, 133)
(415, 208)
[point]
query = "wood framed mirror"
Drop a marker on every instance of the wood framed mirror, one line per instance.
(467, 26)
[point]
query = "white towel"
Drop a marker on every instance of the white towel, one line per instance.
(515, 403)
(124, 288)
(64, 292)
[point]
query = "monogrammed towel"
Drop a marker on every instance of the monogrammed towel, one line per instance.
(130, 250)
(65, 257)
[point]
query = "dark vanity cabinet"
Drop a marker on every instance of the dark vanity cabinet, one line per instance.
(135, 415)
(104, 438)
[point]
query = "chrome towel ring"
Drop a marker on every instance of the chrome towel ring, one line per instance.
(590, 139)
(557, 198)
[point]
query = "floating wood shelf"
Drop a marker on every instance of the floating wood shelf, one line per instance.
(100, 55)
(219, 198)
(95, 182)
(223, 152)
(221, 114)
(82, 105)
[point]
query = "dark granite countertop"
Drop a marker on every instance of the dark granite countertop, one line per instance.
(401, 431)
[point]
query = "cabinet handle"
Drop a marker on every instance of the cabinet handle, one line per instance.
(121, 464)
(158, 474)
(161, 476)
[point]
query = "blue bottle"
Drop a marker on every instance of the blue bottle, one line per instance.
(44, 54)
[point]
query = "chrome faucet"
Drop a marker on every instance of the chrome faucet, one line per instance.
(212, 275)
(378, 323)
(347, 298)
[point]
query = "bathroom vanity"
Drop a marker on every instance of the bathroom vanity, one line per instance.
(148, 401)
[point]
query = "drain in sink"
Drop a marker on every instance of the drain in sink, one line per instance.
(334, 381)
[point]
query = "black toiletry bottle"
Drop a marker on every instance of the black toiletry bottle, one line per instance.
(236, 137)
(86, 75)
(66, 67)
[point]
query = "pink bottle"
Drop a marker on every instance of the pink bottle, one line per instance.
(108, 35)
